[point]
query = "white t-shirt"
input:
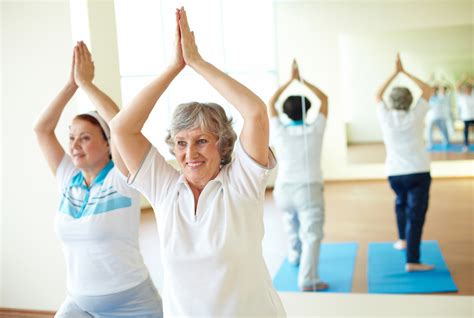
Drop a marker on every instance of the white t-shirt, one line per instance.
(439, 107)
(98, 228)
(296, 164)
(466, 106)
(403, 137)
(212, 260)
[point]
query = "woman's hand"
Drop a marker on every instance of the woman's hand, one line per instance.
(84, 66)
(188, 43)
(71, 82)
(295, 72)
(398, 64)
(178, 61)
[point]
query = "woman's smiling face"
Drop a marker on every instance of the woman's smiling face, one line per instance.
(198, 156)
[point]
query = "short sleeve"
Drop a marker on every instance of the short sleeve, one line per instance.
(320, 123)
(119, 181)
(247, 176)
(65, 171)
(275, 129)
(155, 177)
(381, 109)
(421, 108)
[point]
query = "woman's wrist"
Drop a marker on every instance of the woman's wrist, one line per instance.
(197, 63)
(176, 67)
(85, 84)
(70, 85)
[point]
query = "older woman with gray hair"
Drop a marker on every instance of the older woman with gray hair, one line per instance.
(407, 164)
(210, 216)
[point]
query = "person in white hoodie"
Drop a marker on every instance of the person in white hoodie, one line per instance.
(465, 100)
(439, 115)
(407, 163)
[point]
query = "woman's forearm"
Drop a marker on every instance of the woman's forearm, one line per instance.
(244, 100)
(132, 118)
(49, 117)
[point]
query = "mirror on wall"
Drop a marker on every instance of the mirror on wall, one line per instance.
(439, 56)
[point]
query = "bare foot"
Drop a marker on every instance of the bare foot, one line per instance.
(416, 267)
(318, 287)
(400, 245)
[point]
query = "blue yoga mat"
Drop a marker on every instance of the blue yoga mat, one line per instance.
(336, 267)
(449, 148)
(386, 271)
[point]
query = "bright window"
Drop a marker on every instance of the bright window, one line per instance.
(227, 37)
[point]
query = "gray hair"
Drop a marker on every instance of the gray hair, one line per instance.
(211, 118)
(401, 98)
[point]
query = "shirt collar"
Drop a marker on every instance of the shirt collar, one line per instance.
(78, 179)
(218, 178)
(295, 123)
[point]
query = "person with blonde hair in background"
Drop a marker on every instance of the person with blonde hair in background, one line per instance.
(407, 163)
(99, 214)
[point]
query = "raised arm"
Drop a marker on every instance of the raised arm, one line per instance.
(383, 88)
(323, 109)
(255, 133)
(462, 80)
(127, 125)
(272, 112)
(427, 90)
(48, 120)
(105, 106)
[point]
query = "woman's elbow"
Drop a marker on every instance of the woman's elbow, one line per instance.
(116, 127)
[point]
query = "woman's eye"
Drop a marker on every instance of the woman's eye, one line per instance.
(85, 138)
(202, 141)
(181, 143)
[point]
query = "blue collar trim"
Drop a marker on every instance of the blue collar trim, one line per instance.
(295, 123)
(78, 179)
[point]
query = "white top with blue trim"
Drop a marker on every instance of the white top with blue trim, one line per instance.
(295, 163)
(212, 260)
(98, 227)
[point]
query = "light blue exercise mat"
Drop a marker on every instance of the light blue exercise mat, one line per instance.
(386, 271)
(336, 267)
(449, 148)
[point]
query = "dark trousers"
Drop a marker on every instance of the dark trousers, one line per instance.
(467, 123)
(411, 204)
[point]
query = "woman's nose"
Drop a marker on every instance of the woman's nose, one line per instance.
(191, 152)
(75, 144)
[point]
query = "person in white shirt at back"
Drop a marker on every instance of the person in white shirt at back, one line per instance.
(299, 184)
(465, 101)
(407, 163)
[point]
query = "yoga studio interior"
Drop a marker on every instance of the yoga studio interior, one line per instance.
(345, 48)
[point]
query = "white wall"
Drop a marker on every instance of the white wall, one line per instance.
(36, 48)
(311, 31)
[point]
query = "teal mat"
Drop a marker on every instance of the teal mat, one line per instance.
(386, 271)
(449, 148)
(336, 267)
